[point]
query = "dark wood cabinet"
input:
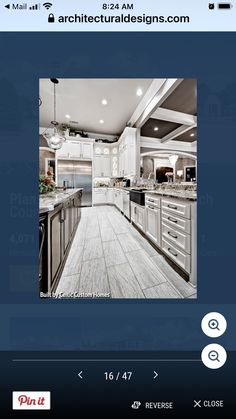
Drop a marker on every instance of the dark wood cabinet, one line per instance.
(55, 244)
(43, 253)
(57, 229)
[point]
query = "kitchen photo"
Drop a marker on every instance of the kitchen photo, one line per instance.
(118, 188)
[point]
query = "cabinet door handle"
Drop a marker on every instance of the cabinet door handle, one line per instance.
(172, 253)
(150, 200)
(172, 206)
(42, 233)
(151, 207)
(172, 235)
(63, 216)
(172, 219)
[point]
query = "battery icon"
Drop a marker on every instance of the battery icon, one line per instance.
(224, 6)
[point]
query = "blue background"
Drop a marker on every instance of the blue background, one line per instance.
(27, 322)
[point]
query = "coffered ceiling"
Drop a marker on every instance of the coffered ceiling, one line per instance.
(174, 118)
(184, 98)
(157, 128)
(188, 136)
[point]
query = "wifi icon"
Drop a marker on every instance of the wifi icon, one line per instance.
(47, 5)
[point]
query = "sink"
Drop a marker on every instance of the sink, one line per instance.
(138, 196)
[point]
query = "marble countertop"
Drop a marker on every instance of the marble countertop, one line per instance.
(50, 200)
(189, 195)
(174, 190)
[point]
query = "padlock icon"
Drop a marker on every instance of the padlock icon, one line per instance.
(51, 18)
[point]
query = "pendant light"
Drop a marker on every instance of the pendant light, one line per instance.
(173, 159)
(55, 139)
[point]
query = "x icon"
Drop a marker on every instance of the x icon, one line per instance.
(197, 404)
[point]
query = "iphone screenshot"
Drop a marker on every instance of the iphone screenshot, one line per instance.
(117, 168)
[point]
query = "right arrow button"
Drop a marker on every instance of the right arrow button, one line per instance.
(155, 375)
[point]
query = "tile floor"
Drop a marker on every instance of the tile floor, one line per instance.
(110, 258)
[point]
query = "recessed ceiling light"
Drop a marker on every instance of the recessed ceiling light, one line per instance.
(139, 92)
(192, 135)
(101, 121)
(156, 128)
(104, 102)
(68, 116)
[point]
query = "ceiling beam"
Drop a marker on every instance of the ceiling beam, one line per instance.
(156, 94)
(158, 153)
(177, 132)
(174, 116)
(154, 143)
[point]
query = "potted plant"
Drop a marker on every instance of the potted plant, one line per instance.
(46, 183)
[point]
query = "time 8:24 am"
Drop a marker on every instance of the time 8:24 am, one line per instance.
(117, 6)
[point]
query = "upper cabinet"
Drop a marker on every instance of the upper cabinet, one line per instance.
(128, 152)
(101, 166)
(76, 150)
(118, 159)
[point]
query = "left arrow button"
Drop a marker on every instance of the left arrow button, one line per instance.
(8, 6)
(80, 375)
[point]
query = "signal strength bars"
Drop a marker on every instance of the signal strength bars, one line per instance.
(35, 7)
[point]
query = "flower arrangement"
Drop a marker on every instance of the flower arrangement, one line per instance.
(169, 176)
(46, 183)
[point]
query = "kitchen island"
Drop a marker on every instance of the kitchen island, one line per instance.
(59, 215)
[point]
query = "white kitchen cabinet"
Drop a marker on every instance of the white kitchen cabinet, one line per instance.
(101, 166)
(86, 150)
(106, 166)
(97, 165)
(120, 200)
(153, 218)
(114, 165)
(64, 151)
(116, 197)
(75, 150)
(181, 258)
(179, 233)
(119, 159)
(110, 196)
(132, 211)
(130, 162)
(127, 152)
(99, 196)
(121, 163)
(97, 150)
(138, 215)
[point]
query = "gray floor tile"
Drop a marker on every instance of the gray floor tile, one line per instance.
(162, 291)
(179, 283)
(93, 249)
(128, 243)
(68, 284)
(144, 269)
(107, 234)
(123, 283)
(74, 260)
(113, 253)
(93, 278)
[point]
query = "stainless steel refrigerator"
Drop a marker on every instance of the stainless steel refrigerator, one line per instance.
(77, 174)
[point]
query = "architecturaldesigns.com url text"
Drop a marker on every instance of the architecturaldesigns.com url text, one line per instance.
(128, 18)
